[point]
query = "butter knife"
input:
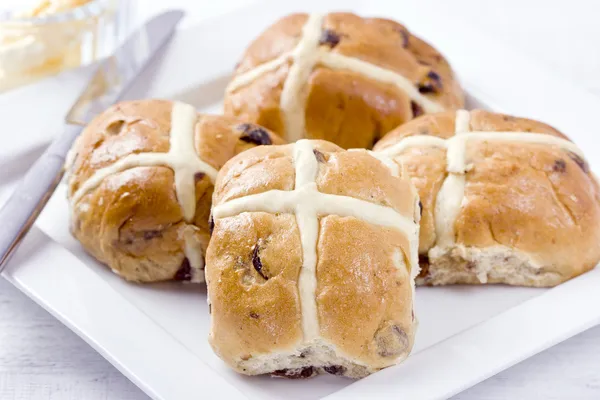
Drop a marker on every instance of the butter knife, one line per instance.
(109, 84)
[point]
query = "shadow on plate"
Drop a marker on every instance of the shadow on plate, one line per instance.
(14, 167)
(207, 96)
(172, 286)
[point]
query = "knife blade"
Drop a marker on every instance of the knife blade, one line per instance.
(110, 82)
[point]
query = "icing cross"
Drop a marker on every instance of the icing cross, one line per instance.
(450, 197)
(307, 203)
(305, 56)
(181, 158)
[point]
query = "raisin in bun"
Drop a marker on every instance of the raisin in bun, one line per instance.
(505, 199)
(339, 77)
(140, 183)
(311, 263)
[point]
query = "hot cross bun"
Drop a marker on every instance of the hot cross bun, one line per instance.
(140, 183)
(341, 78)
(505, 199)
(311, 263)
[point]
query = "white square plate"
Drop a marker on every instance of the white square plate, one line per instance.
(156, 334)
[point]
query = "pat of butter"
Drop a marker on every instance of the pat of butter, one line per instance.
(32, 49)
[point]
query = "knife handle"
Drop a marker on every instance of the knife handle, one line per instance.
(31, 195)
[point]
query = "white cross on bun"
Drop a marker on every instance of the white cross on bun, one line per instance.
(505, 199)
(311, 263)
(140, 182)
(339, 77)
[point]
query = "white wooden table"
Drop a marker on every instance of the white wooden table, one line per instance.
(40, 359)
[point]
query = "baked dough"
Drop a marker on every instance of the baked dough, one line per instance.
(505, 199)
(312, 260)
(339, 77)
(140, 181)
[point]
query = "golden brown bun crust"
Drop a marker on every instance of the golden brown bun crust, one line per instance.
(132, 221)
(532, 198)
(250, 314)
(342, 106)
(363, 295)
(362, 303)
